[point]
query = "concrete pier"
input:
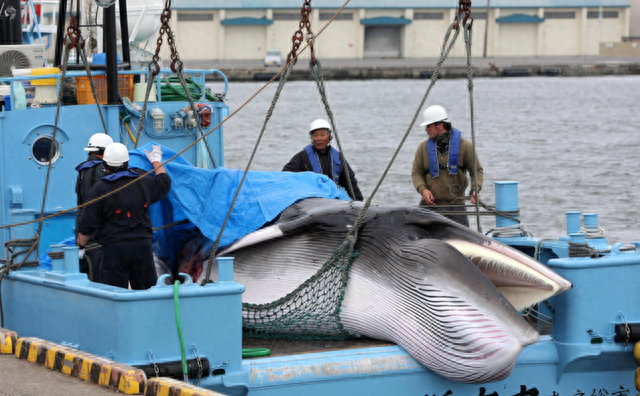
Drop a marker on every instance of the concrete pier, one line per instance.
(353, 69)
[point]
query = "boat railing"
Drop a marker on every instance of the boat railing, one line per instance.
(196, 75)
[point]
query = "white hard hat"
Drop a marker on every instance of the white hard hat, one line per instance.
(98, 141)
(434, 114)
(116, 154)
(319, 124)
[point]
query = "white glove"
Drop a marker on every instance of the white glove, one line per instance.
(81, 253)
(155, 154)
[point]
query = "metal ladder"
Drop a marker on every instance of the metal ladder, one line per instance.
(32, 27)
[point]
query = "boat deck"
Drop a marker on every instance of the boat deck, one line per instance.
(299, 347)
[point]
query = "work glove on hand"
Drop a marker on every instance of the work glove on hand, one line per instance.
(81, 253)
(155, 154)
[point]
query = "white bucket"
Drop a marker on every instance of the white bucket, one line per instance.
(46, 94)
(140, 90)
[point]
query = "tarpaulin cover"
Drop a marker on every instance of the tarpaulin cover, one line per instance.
(204, 196)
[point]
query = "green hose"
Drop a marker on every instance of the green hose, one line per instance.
(255, 352)
(176, 306)
(172, 91)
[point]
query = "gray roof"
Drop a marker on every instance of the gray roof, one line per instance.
(391, 4)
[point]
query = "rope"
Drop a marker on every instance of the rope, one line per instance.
(10, 265)
(143, 114)
(540, 247)
(291, 61)
(283, 80)
(178, 154)
(516, 230)
(177, 223)
(592, 232)
(316, 71)
(444, 53)
(467, 40)
(582, 250)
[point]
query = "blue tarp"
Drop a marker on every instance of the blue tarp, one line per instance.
(204, 196)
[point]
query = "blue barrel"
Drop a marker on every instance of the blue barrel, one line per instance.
(10, 23)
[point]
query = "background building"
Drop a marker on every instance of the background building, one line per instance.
(231, 30)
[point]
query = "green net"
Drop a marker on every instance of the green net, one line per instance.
(311, 311)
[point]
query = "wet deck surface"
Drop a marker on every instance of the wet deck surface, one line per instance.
(299, 347)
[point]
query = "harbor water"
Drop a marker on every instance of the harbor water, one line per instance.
(571, 142)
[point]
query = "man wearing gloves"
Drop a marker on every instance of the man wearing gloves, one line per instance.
(121, 221)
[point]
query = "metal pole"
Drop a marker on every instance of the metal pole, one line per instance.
(124, 31)
(60, 30)
(111, 53)
(486, 31)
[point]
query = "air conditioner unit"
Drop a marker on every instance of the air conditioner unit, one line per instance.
(21, 56)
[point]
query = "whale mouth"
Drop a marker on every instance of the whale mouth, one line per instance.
(521, 279)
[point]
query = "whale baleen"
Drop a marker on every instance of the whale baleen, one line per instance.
(446, 294)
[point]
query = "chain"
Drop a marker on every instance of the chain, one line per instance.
(73, 31)
(199, 362)
(152, 357)
(165, 28)
(464, 7)
(626, 329)
(298, 36)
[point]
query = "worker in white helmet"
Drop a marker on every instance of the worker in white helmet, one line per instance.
(320, 157)
(441, 165)
(121, 221)
(89, 172)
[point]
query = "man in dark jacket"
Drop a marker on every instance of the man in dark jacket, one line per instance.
(320, 157)
(121, 223)
(89, 172)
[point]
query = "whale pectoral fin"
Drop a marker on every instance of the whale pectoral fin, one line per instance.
(431, 300)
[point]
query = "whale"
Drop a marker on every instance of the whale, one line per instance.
(446, 294)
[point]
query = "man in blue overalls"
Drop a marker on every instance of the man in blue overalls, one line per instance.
(320, 157)
(89, 172)
(121, 221)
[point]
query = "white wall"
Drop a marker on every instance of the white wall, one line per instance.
(197, 40)
(634, 25)
(344, 39)
(341, 39)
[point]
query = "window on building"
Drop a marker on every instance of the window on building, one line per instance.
(428, 15)
(605, 14)
(559, 15)
(478, 15)
(182, 17)
(343, 16)
(285, 16)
